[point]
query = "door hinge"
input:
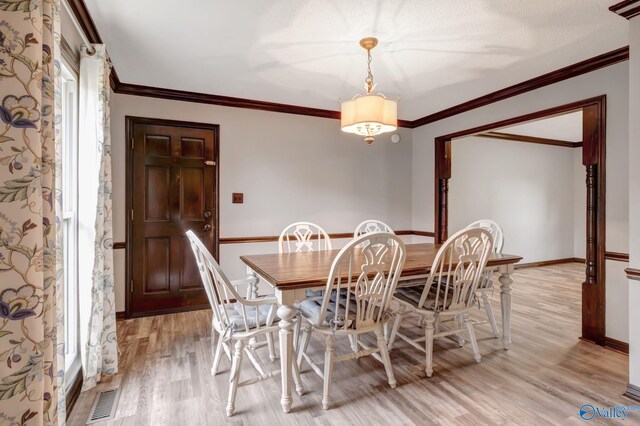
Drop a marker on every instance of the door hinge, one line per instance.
(131, 214)
(210, 163)
(131, 286)
(133, 143)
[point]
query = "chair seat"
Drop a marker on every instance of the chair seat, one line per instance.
(311, 310)
(413, 294)
(236, 319)
(412, 283)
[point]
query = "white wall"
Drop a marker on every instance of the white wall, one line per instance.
(289, 167)
(612, 81)
(634, 199)
(502, 180)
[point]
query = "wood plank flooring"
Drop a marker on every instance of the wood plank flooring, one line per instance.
(543, 379)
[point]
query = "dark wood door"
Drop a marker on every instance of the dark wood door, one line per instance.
(173, 190)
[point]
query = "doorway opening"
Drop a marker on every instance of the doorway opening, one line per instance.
(592, 148)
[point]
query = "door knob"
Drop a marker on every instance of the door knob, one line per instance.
(207, 227)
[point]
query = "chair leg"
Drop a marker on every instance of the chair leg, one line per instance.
(296, 376)
(214, 347)
(422, 321)
(394, 331)
(353, 339)
(461, 323)
(428, 343)
(272, 352)
(235, 377)
(217, 356)
(489, 310)
(304, 344)
(382, 346)
(296, 333)
(472, 338)
(436, 326)
(328, 370)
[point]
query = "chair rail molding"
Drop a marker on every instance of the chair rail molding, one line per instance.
(633, 274)
(620, 257)
(121, 245)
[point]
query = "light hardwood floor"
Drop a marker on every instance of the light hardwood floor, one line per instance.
(543, 379)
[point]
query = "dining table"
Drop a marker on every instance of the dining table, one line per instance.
(291, 275)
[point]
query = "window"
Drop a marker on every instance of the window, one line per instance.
(69, 192)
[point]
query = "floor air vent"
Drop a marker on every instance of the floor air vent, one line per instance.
(104, 407)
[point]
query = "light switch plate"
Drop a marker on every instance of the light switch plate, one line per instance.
(237, 198)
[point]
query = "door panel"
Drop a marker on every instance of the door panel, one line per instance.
(156, 252)
(189, 275)
(192, 193)
(158, 180)
(193, 148)
(172, 190)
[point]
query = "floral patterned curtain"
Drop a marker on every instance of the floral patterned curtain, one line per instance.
(31, 361)
(98, 309)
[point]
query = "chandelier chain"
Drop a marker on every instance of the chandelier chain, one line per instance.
(369, 79)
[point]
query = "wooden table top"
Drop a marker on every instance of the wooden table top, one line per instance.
(311, 269)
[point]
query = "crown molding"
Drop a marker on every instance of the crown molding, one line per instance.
(228, 101)
(579, 68)
(627, 9)
(85, 20)
(610, 58)
(529, 139)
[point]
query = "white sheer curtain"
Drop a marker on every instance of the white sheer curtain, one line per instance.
(99, 349)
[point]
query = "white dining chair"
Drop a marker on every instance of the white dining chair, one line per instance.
(448, 294)
(237, 321)
(356, 301)
(371, 225)
(367, 227)
(303, 237)
(485, 286)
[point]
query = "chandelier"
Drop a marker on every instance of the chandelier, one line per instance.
(369, 114)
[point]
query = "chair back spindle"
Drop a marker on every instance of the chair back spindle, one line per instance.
(303, 237)
(457, 269)
(494, 229)
(362, 281)
(219, 289)
(371, 225)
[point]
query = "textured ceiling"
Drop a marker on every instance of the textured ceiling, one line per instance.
(433, 54)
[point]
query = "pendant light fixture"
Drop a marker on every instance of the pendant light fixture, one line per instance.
(369, 114)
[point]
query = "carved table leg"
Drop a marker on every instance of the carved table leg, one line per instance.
(286, 313)
(252, 293)
(505, 299)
